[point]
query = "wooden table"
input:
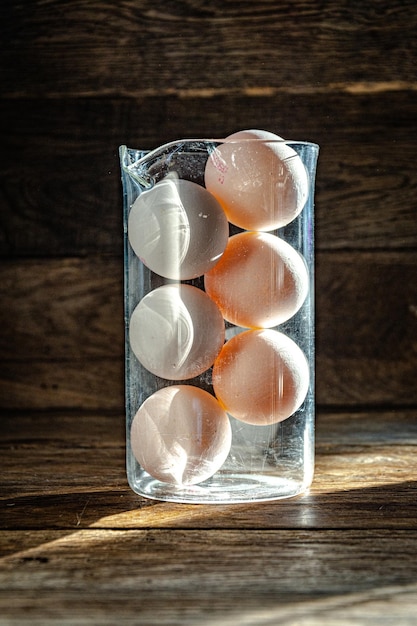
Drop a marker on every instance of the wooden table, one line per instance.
(78, 547)
(79, 79)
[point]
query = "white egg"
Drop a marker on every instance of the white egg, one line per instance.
(177, 229)
(181, 435)
(176, 331)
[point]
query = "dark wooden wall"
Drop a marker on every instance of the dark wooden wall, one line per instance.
(79, 78)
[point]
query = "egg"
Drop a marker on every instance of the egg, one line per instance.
(176, 331)
(263, 135)
(178, 229)
(261, 377)
(259, 180)
(181, 435)
(260, 281)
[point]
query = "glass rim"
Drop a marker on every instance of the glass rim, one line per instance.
(214, 142)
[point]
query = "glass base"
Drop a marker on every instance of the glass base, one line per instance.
(226, 488)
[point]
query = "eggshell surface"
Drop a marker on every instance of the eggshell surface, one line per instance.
(259, 180)
(259, 282)
(181, 435)
(176, 331)
(254, 133)
(178, 229)
(261, 377)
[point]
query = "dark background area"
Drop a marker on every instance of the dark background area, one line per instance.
(80, 78)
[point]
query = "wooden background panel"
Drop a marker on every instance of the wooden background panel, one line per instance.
(77, 384)
(62, 343)
(366, 328)
(70, 308)
(103, 48)
(339, 431)
(60, 179)
(58, 128)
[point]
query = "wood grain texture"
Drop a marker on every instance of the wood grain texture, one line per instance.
(60, 176)
(77, 546)
(55, 49)
(178, 577)
(62, 343)
(66, 470)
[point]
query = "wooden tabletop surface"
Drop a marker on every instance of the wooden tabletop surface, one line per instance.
(77, 546)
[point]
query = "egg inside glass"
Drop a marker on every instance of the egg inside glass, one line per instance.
(259, 282)
(180, 435)
(259, 180)
(261, 377)
(176, 331)
(177, 229)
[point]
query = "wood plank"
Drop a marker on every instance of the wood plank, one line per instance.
(100, 49)
(180, 577)
(60, 180)
(71, 384)
(95, 127)
(334, 430)
(62, 343)
(54, 430)
(66, 470)
(83, 489)
(366, 329)
(65, 308)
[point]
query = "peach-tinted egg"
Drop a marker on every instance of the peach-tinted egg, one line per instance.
(181, 435)
(259, 180)
(177, 229)
(261, 377)
(176, 331)
(253, 133)
(259, 282)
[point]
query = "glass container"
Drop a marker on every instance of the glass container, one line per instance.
(219, 319)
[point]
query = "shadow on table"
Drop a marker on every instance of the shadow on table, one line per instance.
(391, 505)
